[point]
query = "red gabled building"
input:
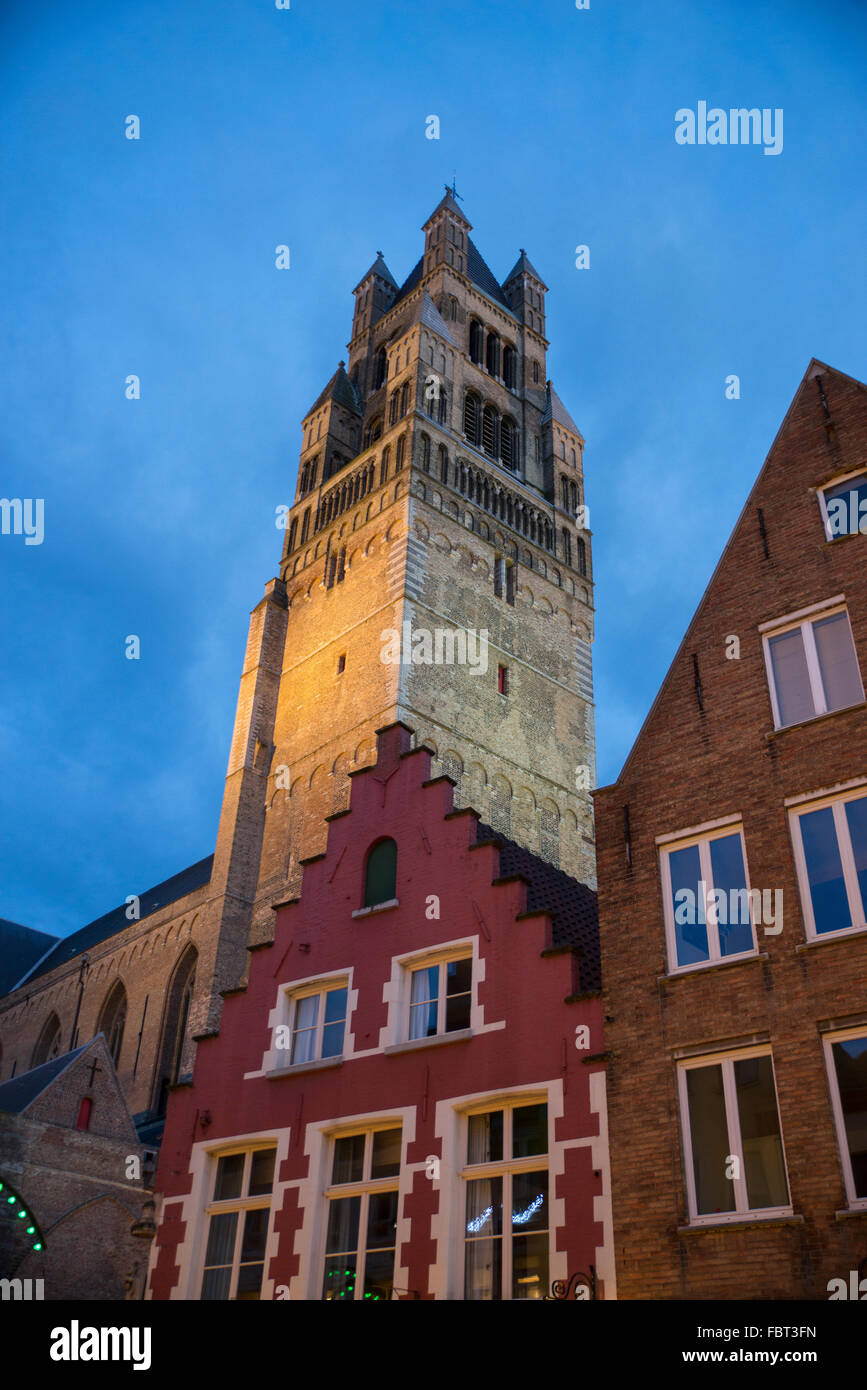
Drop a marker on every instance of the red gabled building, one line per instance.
(407, 1097)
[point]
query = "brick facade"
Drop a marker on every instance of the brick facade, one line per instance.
(709, 750)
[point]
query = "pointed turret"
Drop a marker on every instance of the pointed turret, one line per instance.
(446, 236)
(525, 290)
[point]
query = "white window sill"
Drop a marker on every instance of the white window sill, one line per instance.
(299, 1068)
(740, 1221)
(814, 719)
(858, 1208)
(377, 907)
(826, 936)
(459, 1035)
(700, 966)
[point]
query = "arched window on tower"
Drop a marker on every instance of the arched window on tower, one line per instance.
(492, 354)
(112, 1020)
(443, 409)
(510, 366)
(536, 373)
(453, 309)
(472, 418)
(380, 368)
(508, 441)
(399, 452)
(380, 873)
(404, 398)
(490, 431)
(383, 464)
(293, 529)
(425, 453)
(393, 408)
(477, 339)
(567, 546)
(444, 464)
(564, 493)
(48, 1043)
(582, 556)
(305, 526)
(373, 431)
(176, 1017)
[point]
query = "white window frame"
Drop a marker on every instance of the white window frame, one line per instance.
(363, 1189)
(701, 837)
(847, 859)
(441, 960)
(321, 989)
(743, 1211)
(854, 1202)
(241, 1205)
(804, 621)
(504, 1168)
(823, 504)
(399, 992)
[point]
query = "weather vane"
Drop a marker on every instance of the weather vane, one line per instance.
(451, 188)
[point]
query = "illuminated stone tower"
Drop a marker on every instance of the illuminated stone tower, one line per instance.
(440, 491)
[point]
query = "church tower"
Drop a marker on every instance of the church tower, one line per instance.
(436, 570)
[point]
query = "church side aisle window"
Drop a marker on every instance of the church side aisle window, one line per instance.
(361, 1229)
(238, 1219)
(506, 1218)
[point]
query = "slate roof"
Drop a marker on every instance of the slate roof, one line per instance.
(431, 317)
(556, 410)
(20, 949)
(378, 268)
(524, 266)
(21, 1091)
(572, 904)
(115, 921)
(449, 203)
(340, 389)
(484, 278)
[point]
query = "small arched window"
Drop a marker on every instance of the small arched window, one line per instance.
(489, 431)
(112, 1020)
(492, 354)
(380, 873)
(442, 413)
(567, 546)
(477, 338)
(398, 457)
(48, 1044)
(380, 369)
(453, 309)
(444, 464)
(509, 366)
(383, 466)
(392, 408)
(425, 453)
(404, 398)
(472, 420)
(582, 556)
(564, 493)
(373, 431)
(536, 372)
(292, 533)
(305, 526)
(508, 434)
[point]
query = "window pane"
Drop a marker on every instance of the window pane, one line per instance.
(847, 520)
(303, 1046)
(249, 1282)
(221, 1239)
(485, 1207)
(335, 1006)
(230, 1172)
(690, 933)
(856, 816)
(710, 1140)
(261, 1172)
(339, 1281)
(530, 1201)
(423, 1002)
(850, 1063)
(348, 1159)
(760, 1133)
(733, 922)
(255, 1235)
(459, 976)
(530, 1266)
(457, 1012)
(529, 1130)
(423, 1020)
(379, 1274)
(382, 1221)
(837, 661)
(791, 681)
(343, 1216)
(825, 870)
(332, 1039)
(483, 1270)
(485, 1144)
(216, 1284)
(385, 1162)
(307, 1011)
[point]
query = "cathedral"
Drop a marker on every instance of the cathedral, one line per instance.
(435, 578)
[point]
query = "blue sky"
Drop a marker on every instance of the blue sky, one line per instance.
(306, 126)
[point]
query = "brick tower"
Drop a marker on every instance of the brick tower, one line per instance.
(440, 496)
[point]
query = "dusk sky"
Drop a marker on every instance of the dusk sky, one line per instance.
(306, 126)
